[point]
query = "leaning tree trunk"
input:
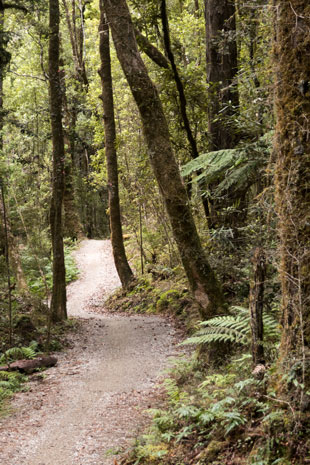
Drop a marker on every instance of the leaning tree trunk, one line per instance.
(203, 282)
(58, 301)
(292, 147)
(123, 269)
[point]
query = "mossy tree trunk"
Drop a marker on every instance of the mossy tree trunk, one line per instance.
(201, 277)
(58, 301)
(292, 179)
(123, 269)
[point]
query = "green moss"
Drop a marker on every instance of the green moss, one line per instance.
(212, 451)
(168, 299)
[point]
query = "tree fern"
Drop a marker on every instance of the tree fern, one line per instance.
(231, 170)
(233, 328)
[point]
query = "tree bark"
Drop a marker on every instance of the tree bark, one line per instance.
(150, 50)
(7, 260)
(29, 366)
(292, 178)
(201, 277)
(58, 301)
(257, 306)
(222, 67)
(123, 269)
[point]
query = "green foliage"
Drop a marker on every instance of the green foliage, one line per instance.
(202, 408)
(37, 278)
(10, 382)
(16, 353)
(168, 299)
(217, 413)
(231, 170)
(233, 328)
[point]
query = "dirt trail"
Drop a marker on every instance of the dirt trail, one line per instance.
(91, 404)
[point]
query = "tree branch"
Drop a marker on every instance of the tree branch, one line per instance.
(151, 51)
(182, 98)
(6, 6)
(39, 78)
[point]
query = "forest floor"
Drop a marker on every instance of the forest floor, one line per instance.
(92, 404)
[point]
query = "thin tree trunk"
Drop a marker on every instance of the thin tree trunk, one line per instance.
(7, 260)
(183, 103)
(201, 277)
(58, 301)
(14, 256)
(223, 97)
(292, 180)
(119, 254)
(257, 306)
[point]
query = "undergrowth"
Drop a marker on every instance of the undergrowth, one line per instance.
(152, 296)
(220, 417)
(10, 382)
(29, 309)
(38, 269)
(227, 415)
(13, 381)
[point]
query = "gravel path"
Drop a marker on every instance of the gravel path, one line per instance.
(91, 404)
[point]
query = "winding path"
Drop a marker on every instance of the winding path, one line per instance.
(91, 404)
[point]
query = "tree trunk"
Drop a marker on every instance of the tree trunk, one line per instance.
(222, 67)
(292, 147)
(58, 301)
(119, 254)
(257, 306)
(201, 277)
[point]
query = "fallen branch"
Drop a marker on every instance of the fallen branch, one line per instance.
(28, 366)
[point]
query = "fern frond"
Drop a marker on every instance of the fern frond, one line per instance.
(16, 353)
(234, 328)
(233, 170)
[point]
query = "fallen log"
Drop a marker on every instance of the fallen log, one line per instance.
(29, 366)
